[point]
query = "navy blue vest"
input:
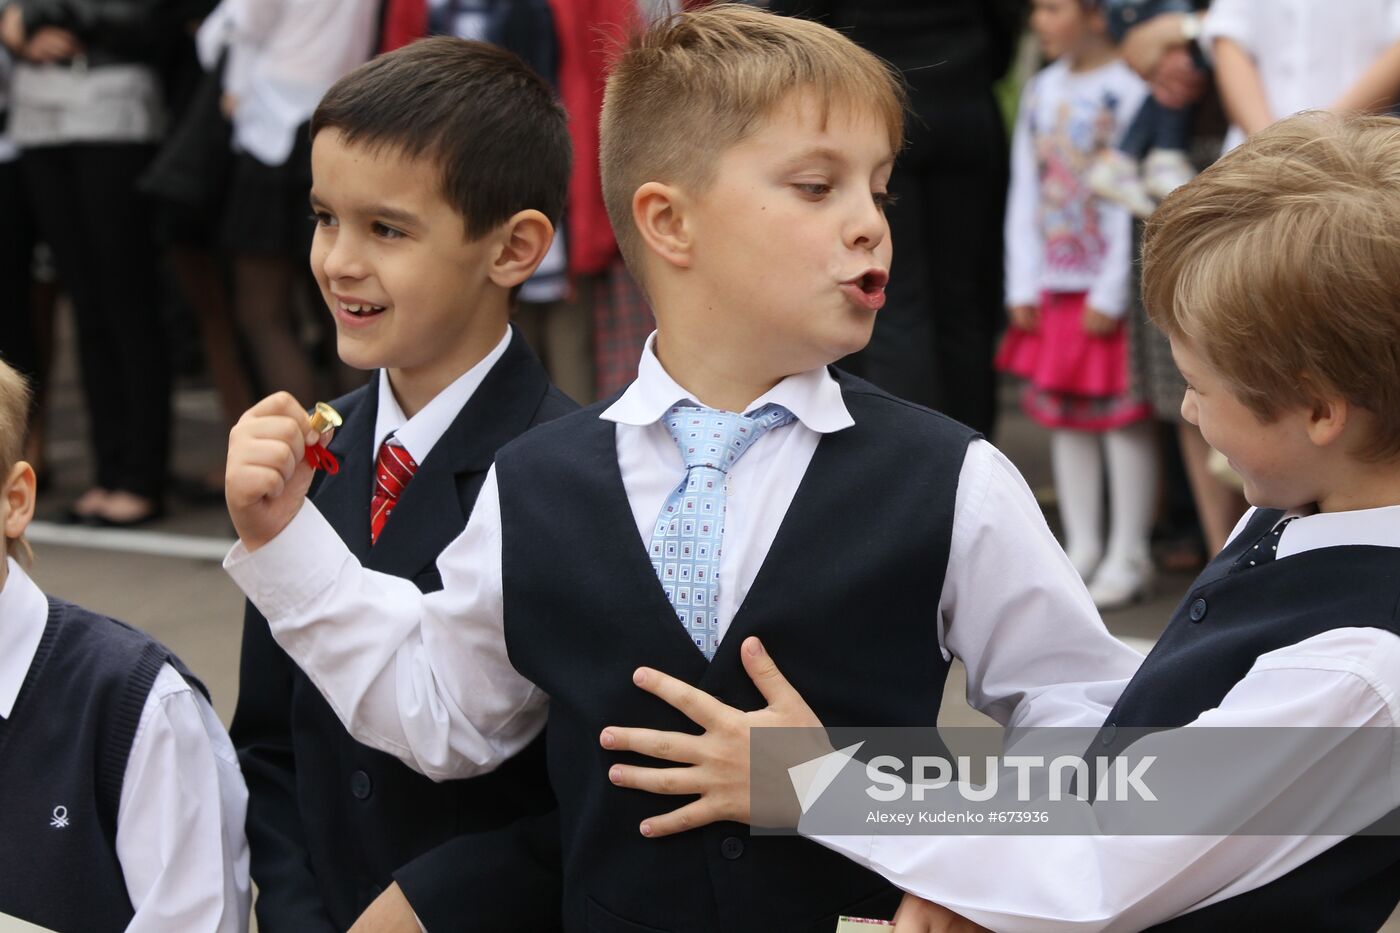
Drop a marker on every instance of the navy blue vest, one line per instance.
(846, 601)
(63, 755)
(1227, 620)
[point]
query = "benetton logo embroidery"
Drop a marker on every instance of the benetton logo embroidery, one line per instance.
(60, 817)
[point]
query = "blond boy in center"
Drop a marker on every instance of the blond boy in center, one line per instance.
(740, 487)
(1276, 274)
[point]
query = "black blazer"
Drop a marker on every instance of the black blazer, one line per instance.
(330, 821)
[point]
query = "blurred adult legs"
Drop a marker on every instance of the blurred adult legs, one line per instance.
(263, 302)
(89, 213)
(202, 283)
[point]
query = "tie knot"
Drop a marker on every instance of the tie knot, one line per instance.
(717, 439)
(393, 468)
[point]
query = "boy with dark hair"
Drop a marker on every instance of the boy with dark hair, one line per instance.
(738, 486)
(438, 173)
(123, 803)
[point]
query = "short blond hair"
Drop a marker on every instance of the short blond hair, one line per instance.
(14, 427)
(696, 83)
(1281, 265)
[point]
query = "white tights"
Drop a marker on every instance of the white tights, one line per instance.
(1077, 458)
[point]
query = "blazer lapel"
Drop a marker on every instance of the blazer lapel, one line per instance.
(343, 498)
(434, 506)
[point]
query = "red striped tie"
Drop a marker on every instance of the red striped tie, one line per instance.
(392, 470)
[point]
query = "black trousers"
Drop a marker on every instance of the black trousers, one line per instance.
(88, 210)
(18, 340)
(936, 336)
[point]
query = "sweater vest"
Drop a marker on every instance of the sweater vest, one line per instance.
(1227, 620)
(63, 757)
(846, 601)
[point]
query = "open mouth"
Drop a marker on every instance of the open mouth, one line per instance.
(867, 290)
(359, 309)
(872, 282)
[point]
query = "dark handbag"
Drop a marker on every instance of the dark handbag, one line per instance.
(192, 167)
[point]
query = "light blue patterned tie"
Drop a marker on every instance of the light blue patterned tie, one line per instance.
(685, 545)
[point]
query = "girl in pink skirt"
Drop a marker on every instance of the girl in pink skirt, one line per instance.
(1068, 272)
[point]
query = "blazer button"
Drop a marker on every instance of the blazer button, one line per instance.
(1110, 732)
(1198, 610)
(361, 786)
(732, 847)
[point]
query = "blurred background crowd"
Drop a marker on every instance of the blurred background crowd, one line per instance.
(154, 171)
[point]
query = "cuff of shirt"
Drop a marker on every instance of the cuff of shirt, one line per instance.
(1109, 303)
(288, 573)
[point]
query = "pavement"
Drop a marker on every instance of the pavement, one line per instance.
(167, 579)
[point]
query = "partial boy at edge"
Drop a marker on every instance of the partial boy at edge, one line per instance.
(123, 802)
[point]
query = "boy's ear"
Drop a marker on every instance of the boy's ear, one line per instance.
(524, 240)
(19, 499)
(659, 212)
(1327, 419)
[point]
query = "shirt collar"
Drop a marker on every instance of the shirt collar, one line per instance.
(420, 434)
(813, 396)
(1307, 532)
(24, 611)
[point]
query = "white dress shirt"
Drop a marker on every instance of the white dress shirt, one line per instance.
(420, 434)
(1307, 52)
(180, 837)
(427, 677)
(1347, 677)
(1059, 235)
(283, 56)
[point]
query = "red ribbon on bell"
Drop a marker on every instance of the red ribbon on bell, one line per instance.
(323, 418)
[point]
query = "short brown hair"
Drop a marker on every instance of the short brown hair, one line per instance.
(696, 83)
(1281, 264)
(14, 428)
(493, 125)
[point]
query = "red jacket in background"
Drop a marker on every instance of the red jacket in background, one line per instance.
(590, 34)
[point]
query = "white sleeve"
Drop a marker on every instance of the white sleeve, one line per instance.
(424, 677)
(255, 20)
(1016, 613)
(180, 835)
(1230, 19)
(1346, 677)
(1111, 291)
(214, 35)
(1024, 246)
(247, 26)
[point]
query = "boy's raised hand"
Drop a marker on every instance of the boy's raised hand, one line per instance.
(715, 765)
(266, 478)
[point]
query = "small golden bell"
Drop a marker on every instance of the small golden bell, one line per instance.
(324, 417)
